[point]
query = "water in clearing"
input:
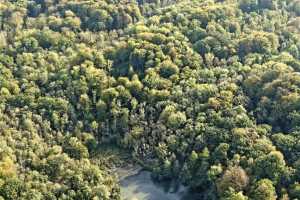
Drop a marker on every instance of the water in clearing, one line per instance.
(137, 184)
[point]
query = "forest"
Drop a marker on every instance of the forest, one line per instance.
(202, 92)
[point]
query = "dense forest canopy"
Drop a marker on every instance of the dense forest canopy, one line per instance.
(204, 92)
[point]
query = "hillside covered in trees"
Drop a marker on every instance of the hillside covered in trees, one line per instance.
(202, 92)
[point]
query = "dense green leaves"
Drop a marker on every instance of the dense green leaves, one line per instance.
(205, 92)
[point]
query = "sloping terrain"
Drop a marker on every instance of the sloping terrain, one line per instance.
(204, 92)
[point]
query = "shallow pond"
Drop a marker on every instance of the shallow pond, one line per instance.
(138, 185)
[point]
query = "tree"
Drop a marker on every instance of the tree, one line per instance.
(167, 69)
(235, 178)
(16, 19)
(3, 39)
(220, 153)
(268, 4)
(176, 120)
(295, 6)
(264, 190)
(258, 42)
(295, 191)
(271, 166)
(232, 195)
(7, 167)
(75, 148)
(28, 45)
(12, 189)
(248, 5)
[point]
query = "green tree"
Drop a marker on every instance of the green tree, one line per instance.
(271, 166)
(264, 190)
(75, 148)
(235, 178)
